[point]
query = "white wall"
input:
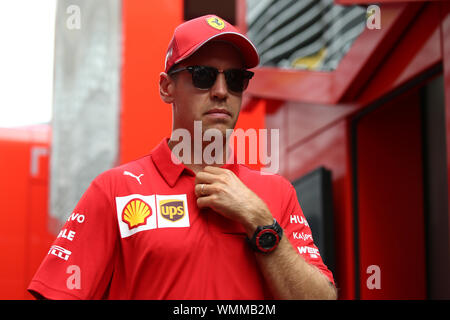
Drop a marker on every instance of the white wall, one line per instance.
(27, 33)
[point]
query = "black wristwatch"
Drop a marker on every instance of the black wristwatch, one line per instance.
(266, 238)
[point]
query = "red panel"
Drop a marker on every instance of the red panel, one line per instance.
(253, 119)
(415, 52)
(330, 149)
(445, 36)
(24, 201)
(147, 30)
(307, 120)
(241, 15)
(303, 86)
(371, 49)
(14, 174)
(39, 238)
(390, 200)
(276, 118)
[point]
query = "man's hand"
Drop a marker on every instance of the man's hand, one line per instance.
(287, 273)
(221, 190)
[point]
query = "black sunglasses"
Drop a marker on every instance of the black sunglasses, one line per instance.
(204, 77)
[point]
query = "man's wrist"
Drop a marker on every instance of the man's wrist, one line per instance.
(261, 217)
(266, 238)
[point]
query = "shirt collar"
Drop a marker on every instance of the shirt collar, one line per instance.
(171, 170)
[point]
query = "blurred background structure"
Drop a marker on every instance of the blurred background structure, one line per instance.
(86, 98)
(360, 94)
(309, 34)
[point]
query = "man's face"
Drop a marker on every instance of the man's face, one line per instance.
(216, 107)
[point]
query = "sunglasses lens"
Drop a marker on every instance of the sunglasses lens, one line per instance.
(203, 77)
(237, 80)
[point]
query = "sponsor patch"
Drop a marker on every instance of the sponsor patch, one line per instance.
(60, 252)
(298, 219)
(303, 236)
(135, 213)
(313, 252)
(172, 211)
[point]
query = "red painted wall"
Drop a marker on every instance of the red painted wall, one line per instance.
(147, 30)
(309, 141)
(24, 239)
(445, 41)
(390, 194)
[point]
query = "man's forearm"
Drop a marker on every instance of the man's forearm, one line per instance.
(290, 277)
(286, 272)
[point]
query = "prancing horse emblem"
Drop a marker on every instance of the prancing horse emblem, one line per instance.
(216, 23)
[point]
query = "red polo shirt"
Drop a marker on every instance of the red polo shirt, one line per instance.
(137, 233)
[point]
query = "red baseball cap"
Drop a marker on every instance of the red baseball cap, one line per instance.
(189, 36)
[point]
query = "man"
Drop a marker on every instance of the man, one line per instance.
(156, 228)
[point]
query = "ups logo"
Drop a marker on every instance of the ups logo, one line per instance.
(172, 210)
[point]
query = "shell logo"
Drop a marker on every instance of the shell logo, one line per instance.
(135, 213)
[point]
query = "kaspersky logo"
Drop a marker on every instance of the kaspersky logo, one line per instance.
(172, 210)
(135, 213)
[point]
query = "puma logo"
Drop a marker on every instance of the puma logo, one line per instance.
(138, 178)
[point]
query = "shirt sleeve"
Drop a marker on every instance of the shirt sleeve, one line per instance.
(298, 232)
(79, 264)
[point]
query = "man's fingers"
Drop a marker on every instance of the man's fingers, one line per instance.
(212, 174)
(200, 190)
(205, 177)
(203, 202)
(214, 170)
(211, 180)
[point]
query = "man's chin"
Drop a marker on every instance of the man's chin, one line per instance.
(223, 127)
(221, 124)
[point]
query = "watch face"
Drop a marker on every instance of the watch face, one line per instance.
(267, 239)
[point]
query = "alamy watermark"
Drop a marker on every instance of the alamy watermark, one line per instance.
(374, 280)
(219, 147)
(73, 21)
(373, 17)
(74, 280)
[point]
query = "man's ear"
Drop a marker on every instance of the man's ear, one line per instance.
(166, 87)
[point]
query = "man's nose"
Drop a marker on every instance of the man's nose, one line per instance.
(219, 90)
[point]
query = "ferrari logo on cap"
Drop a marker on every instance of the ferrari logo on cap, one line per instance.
(216, 23)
